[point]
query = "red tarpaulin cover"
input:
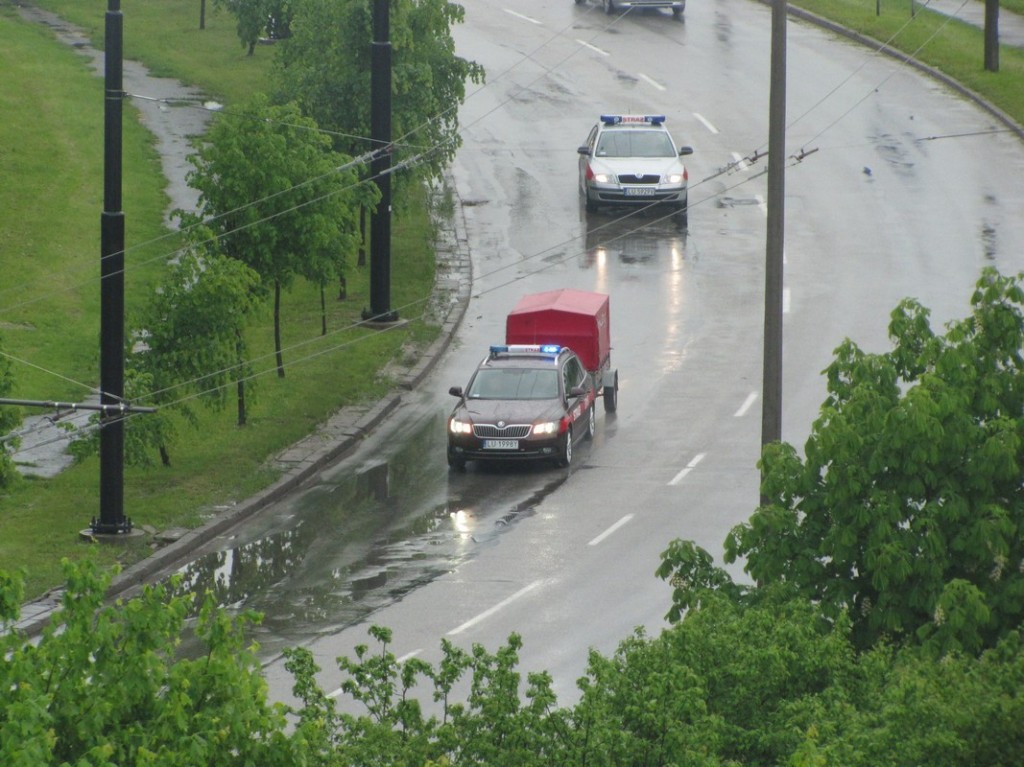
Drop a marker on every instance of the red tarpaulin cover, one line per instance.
(578, 319)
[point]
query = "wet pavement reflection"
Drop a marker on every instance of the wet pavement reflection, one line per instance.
(363, 538)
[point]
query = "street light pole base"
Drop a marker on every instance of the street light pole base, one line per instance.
(109, 531)
(384, 320)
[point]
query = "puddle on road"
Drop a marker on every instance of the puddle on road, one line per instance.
(363, 539)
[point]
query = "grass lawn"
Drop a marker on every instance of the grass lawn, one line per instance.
(49, 311)
(949, 45)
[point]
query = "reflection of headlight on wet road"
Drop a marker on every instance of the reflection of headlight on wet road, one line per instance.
(462, 522)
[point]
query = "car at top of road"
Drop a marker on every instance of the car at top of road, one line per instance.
(632, 160)
(610, 6)
(524, 401)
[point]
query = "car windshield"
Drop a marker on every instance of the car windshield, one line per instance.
(633, 143)
(515, 383)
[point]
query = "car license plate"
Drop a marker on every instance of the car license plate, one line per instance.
(501, 444)
(639, 191)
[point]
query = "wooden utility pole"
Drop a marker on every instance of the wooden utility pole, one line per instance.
(771, 412)
(991, 35)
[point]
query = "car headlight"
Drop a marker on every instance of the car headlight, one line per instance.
(456, 426)
(548, 427)
(602, 178)
(675, 178)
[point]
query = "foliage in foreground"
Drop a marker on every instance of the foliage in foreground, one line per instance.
(764, 680)
(907, 511)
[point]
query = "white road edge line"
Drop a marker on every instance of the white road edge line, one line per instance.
(594, 48)
(488, 613)
(707, 123)
(653, 82)
(610, 530)
(689, 467)
(747, 404)
(521, 16)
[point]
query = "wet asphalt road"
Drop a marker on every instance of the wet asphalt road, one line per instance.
(909, 191)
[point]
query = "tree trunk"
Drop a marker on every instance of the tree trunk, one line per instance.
(342, 288)
(240, 384)
(323, 309)
(361, 260)
(277, 329)
(202, 14)
(165, 457)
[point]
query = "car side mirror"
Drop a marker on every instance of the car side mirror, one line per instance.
(585, 151)
(456, 391)
(577, 391)
(685, 150)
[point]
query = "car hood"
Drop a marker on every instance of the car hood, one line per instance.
(662, 166)
(510, 411)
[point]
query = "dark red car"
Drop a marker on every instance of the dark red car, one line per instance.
(525, 401)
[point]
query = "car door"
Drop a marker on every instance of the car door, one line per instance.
(574, 375)
(584, 160)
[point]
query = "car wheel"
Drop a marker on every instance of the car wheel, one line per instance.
(456, 463)
(565, 449)
(609, 6)
(591, 422)
(591, 205)
(683, 213)
(677, 12)
(611, 396)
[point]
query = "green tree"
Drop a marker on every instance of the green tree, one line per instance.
(191, 346)
(907, 511)
(104, 685)
(193, 327)
(257, 18)
(276, 196)
(325, 66)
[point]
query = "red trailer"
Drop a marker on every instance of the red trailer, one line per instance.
(578, 319)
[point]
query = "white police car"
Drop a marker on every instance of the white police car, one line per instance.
(632, 160)
(524, 402)
(610, 6)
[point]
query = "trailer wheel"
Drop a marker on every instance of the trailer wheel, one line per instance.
(611, 395)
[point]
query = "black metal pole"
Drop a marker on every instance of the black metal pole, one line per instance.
(380, 166)
(112, 519)
(771, 413)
